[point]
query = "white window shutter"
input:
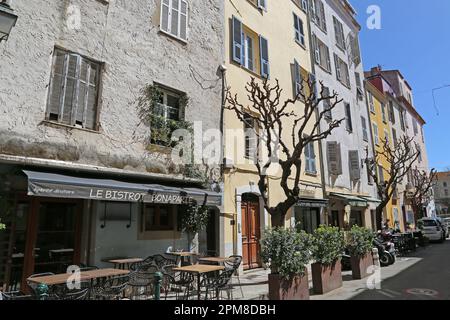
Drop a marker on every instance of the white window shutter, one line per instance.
(355, 172)
(165, 15)
(237, 40)
(183, 20)
(296, 78)
(316, 49)
(264, 51)
(305, 5)
(338, 67)
(334, 158)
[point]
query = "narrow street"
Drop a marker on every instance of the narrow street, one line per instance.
(428, 279)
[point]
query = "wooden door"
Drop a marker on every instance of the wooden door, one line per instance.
(250, 225)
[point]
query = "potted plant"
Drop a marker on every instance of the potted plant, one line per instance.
(360, 244)
(328, 246)
(287, 253)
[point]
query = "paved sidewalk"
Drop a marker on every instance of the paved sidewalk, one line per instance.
(255, 286)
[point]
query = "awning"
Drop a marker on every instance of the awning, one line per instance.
(370, 199)
(353, 201)
(312, 203)
(44, 184)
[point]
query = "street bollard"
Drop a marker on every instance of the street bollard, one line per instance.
(158, 279)
(42, 291)
(376, 257)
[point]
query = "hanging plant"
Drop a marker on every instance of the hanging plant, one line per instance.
(151, 114)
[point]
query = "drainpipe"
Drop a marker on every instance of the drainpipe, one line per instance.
(313, 70)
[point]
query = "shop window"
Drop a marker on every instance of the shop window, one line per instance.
(307, 219)
(157, 218)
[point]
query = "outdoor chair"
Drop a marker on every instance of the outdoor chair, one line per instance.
(111, 289)
(82, 294)
(162, 261)
(214, 286)
(32, 285)
(15, 295)
(177, 280)
(234, 265)
(141, 283)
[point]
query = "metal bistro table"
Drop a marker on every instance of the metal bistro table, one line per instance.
(199, 269)
(124, 263)
(216, 260)
(62, 278)
(181, 255)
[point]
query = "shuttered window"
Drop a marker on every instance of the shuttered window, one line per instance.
(317, 10)
(371, 103)
(250, 131)
(376, 138)
(394, 137)
(364, 129)
(174, 18)
(415, 126)
(355, 172)
(339, 33)
(321, 54)
(391, 112)
(299, 30)
(342, 73)
(72, 98)
(334, 158)
(383, 112)
(380, 174)
(264, 51)
(327, 104)
(310, 158)
(262, 4)
(296, 78)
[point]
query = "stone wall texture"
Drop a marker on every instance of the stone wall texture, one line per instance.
(125, 36)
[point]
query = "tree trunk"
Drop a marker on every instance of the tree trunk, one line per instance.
(277, 220)
(379, 213)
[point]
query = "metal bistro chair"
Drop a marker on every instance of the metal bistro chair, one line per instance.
(141, 283)
(111, 289)
(234, 265)
(162, 261)
(32, 285)
(216, 285)
(16, 295)
(177, 280)
(82, 294)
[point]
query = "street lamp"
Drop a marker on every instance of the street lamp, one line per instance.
(7, 20)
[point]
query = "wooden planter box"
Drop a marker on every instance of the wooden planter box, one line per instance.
(360, 266)
(326, 278)
(296, 288)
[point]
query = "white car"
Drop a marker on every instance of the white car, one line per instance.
(445, 225)
(432, 229)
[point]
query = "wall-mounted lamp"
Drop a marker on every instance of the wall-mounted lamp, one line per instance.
(7, 19)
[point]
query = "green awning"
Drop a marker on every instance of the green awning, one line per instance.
(352, 201)
(370, 199)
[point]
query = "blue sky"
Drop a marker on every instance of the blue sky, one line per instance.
(415, 38)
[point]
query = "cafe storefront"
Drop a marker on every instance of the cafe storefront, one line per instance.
(57, 219)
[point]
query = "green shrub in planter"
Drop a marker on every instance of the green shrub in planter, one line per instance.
(286, 250)
(328, 245)
(360, 241)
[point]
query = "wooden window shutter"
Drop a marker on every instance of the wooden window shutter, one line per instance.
(364, 129)
(264, 49)
(355, 172)
(237, 40)
(316, 49)
(183, 20)
(338, 67)
(334, 158)
(57, 85)
(348, 114)
(323, 21)
(296, 78)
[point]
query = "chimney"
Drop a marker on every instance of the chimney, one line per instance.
(375, 70)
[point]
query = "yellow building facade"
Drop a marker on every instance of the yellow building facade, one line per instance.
(382, 130)
(263, 39)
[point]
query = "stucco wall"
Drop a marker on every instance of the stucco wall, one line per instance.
(347, 140)
(125, 36)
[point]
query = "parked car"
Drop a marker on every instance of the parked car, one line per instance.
(433, 229)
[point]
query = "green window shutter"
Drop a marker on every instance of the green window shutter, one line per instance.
(237, 40)
(264, 51)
